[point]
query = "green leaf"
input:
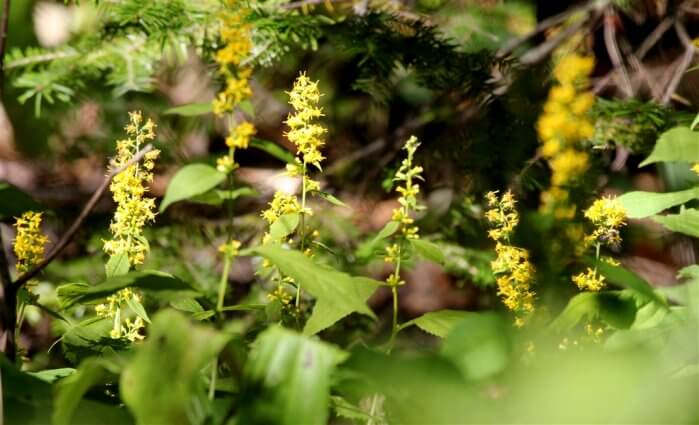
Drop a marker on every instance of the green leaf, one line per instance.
(90, 338)
(163, 375)
(615, 308)
(118, 264)
(71, 390)
(15, 202)
(164, 285)
(686, 222)
(676, 144)
(368, 248)
(137, 308)
(428, 250)
(331, 198)
(191, 180)
(273, 149)
(291, 376)
(191, 109)
(621, 276)
(217, 197)
(52, 375)
(695, 122)
(438, 323)
(189, 305)
(26, 398)
(284, 226)
(479, 345)
(337, 294)
(644, 204)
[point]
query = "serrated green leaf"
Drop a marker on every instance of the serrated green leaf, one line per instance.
(191, 180)
(191, 109)
(293, 374)
(438, 323)
(284, 226)
(644, 204)
(676, 144)
(337, 294)
(686, 222)
(165, 285)
(428, 250)
(273, 149)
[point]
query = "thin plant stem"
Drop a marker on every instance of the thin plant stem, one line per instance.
(223, 283)
(303, 227)
(214, 375)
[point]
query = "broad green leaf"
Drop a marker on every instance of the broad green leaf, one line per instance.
(273, 149)
(163, 375)
(676, 144)
(163, 284)
(479, 345)
(368, 248)
(291, 376)
(90, 338)
(52, 375)
(331, 198)
(71, 390)
(14, 202)
(191, 180)
(686, 222)
(613, 307)
(189, 305)
(117, 264)
(284, 226)
(428, 250)
(337, 294)
(644, 204)
(438, 323)
(621, 276)
(26, 398)
(217, 197)
(191, 109)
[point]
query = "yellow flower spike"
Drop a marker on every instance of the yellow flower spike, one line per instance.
(29, 243)
(512, 268)
(306, 135)
(589, 280)
(608, 216)
(128, 188)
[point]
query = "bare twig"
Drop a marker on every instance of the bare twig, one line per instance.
(653, 38)
(681, 68)
(542, 26)
(68, 235)
(613, 52)
(541, 51)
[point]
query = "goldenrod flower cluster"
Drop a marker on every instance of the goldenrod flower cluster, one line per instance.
(114, 308)
(235, 34)
(514, 272)
(280, 205)
(407, 174)
(562, 127)
(608, 216)
(303, 131)
(128, 188)
(29, 242)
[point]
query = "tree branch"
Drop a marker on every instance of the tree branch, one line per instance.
(614, 54)
(682, 66)
(68, 235)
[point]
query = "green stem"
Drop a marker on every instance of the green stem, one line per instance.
(212, 383)
(223, 283)
(302, 229)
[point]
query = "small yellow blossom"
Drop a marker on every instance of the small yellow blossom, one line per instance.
(230, 249)
(608, 216)
(29, 243)
(280, 205)
(115, 309)
(589, 280)
(303, 131)
(240, 137)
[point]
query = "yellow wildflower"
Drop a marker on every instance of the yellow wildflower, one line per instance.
(589, 280)
(115, 309)
(303, 132)
(29, 243)
(608, 216)
(240, 138)
(128, 188)
(280, 205)
(514, 272)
